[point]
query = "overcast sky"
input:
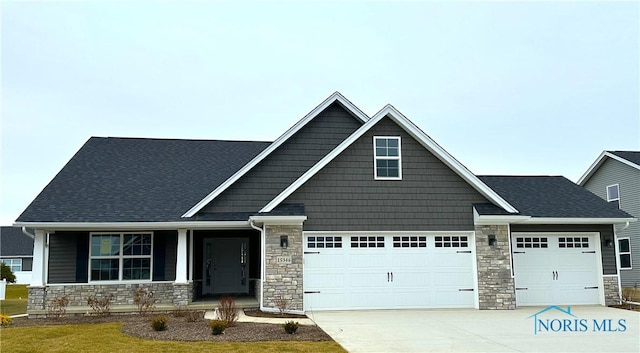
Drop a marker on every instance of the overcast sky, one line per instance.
(505, 87)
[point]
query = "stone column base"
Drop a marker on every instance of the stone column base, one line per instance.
(611, 290)
(182, 293)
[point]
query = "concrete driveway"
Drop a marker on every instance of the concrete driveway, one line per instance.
(583, 329)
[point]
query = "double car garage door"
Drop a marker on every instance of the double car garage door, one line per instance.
(437, 271)
(388, 271)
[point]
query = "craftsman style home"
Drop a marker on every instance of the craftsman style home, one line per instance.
(615, 177)
(343, 211)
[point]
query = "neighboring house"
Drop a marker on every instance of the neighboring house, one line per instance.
(615, 177)
(343, 211)
(16, 250)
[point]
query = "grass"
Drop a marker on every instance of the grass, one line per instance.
(108, 338)
(15, 300)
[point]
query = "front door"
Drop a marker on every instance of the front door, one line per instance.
(225, 266)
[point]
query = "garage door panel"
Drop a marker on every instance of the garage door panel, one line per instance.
(454, 298)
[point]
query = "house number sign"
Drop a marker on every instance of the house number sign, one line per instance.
(283, 259)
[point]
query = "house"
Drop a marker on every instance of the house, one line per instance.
(343, 211)
(615, 177)
(16, 250)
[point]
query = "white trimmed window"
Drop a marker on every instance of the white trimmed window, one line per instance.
(120, 256)
(624, 250)
(15, 264)
(613, 194)
(387, 158)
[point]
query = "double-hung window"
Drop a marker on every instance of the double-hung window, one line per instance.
(120, 256)
(15, 264)
(613, 194)
(624, 250)
(387, 159)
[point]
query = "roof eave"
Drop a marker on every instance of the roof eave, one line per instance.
(135, 225)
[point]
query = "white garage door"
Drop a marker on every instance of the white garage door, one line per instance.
(556, 269)
(385, 272)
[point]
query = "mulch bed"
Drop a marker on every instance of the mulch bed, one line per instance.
(258, 313)
(180, 329)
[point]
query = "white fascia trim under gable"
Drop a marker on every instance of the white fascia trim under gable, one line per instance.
(598, 162)
(417, 134)
(335, 97)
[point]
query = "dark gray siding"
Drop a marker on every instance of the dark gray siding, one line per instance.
(27, 263)
(289, 161)
(344, 196)
(165, 247)
(606, 232)
(66, 263)
(614, 172)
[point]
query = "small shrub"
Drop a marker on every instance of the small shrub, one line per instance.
(159, 322)
(5, 320)
(290, 327)
(217, 326)
(282, 304)
(144, 300)
(58, 306)
(193, 316)
(228, 311)
(7, 273)
(180, 311)
(100, 306)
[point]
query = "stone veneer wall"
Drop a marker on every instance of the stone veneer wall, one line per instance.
(283, 280)
(165, 292)
(496, 289)
(611, 290)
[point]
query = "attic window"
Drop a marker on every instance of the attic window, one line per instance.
(387, 161)
(613, 194)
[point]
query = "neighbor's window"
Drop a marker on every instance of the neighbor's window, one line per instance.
(624, 249)
(15, 264)
(121, 256)
(613, 194)
(387, 163)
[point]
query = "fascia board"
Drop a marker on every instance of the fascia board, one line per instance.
(419, 135)
(562, 220)
(294, 220)
(134, 225)
(335, 97)
(598, 162)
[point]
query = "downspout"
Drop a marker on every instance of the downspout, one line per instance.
(32, 236)
(263, 260)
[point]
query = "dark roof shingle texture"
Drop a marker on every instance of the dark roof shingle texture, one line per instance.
(137, 179)
(14, 243)
(550, 196)
(631, 156)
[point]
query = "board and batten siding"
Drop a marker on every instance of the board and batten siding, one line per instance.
(614, 172)
(344, 196)
(288, 162)
(606, 232)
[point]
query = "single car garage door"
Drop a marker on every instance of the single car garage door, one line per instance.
(388, 271)
(556, 269)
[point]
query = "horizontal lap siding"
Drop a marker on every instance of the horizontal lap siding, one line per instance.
(288, 162)
(614, 172)
(344, 196)
(606, 232)
(66, 264)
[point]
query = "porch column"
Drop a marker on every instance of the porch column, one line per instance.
(181, 259)
(37, 274)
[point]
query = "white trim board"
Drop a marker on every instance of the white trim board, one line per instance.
(335, 97)
(598, 162)
(97, 226)
(417, 134)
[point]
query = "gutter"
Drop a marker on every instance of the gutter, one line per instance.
(263, 261)
(24, 230)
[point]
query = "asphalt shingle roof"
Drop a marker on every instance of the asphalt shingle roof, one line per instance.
(138, 180)
(14, 243)
(550, 196)
(631, 156)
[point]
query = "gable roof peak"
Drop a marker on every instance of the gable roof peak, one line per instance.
(630, 158)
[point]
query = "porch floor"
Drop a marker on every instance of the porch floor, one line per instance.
(211, 303)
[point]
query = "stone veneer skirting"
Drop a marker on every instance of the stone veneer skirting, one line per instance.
(611, 290)
(496, 289)
(283, 280)
(164, 292)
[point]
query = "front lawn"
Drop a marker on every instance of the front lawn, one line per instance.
(108, 338)
(16, 300)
